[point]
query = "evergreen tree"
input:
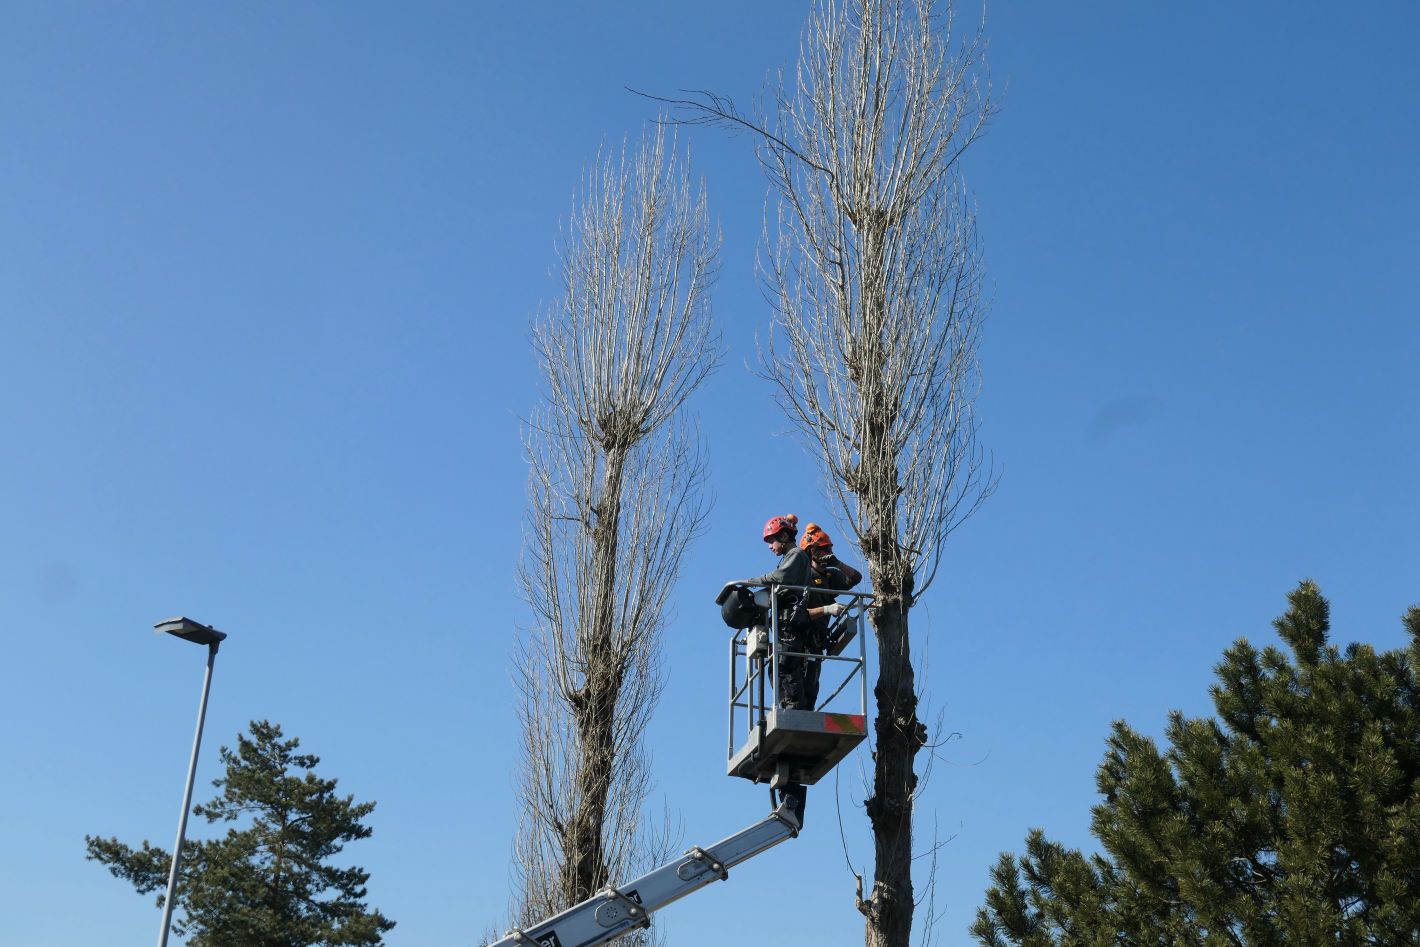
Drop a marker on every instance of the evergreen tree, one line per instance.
(1291, 818)
(269, 884)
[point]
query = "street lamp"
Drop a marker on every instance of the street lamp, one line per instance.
(197, 633)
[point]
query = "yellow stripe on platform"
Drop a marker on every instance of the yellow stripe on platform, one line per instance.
(844, 723)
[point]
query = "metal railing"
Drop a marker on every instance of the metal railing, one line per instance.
(755, 660)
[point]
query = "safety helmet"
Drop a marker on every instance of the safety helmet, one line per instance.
(777, 525)
(813, 537)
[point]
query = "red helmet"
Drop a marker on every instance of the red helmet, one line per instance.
(814, 536)
(777, 525)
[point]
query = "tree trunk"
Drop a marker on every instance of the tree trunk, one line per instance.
(897, 732)
(585, 870)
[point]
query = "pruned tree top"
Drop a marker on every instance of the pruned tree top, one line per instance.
(615, 492)
(873, 269)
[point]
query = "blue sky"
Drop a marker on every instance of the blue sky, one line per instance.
(265, 277)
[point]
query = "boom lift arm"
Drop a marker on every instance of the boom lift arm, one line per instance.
(798, 746)
(612, 912)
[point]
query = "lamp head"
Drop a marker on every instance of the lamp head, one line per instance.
(189, 630)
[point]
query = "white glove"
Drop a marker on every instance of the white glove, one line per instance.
(835, 609)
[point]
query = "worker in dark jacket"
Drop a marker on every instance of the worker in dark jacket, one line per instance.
(827, 575)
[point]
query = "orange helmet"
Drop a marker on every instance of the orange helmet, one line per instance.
(777, 525)
(814, 536)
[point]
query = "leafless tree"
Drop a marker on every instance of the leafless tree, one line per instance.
(875, 274)
(615, 493)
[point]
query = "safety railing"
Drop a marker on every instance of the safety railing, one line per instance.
(755, 659)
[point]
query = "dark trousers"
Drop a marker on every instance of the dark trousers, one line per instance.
(798, 677)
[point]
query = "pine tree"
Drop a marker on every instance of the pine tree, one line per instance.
(269, 884)
(1291, 818)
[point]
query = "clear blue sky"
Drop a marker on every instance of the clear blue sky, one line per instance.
(265, 275)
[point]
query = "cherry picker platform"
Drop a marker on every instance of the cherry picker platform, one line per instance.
(782, 747)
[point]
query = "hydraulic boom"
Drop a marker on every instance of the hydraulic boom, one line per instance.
(784, 746)
(612, 912)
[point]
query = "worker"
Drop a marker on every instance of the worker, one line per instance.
(795, 569)
(827, 574)
(795, 628)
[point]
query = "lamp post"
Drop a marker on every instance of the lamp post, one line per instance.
(188, 630)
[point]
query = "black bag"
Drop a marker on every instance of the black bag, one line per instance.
(737, 606)
(794, 620)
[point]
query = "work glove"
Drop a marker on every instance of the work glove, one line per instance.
(835, 609)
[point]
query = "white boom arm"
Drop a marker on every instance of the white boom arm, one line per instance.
(612, 912)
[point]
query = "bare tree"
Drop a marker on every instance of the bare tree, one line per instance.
(876, 278)
(615, 493)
